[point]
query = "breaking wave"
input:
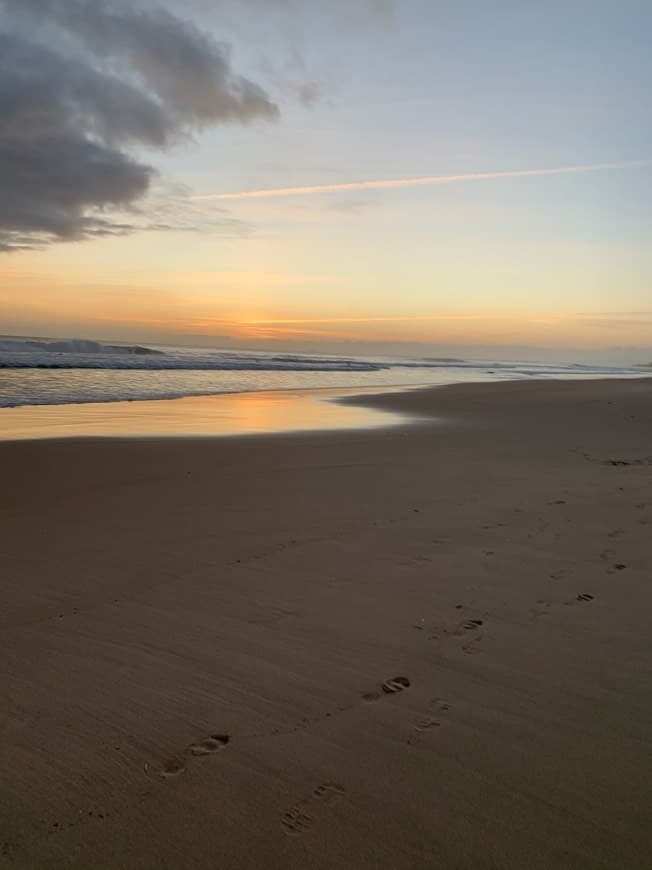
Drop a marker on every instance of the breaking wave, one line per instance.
(36, 371)
(85, 354)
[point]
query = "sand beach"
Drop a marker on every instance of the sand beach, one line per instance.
(426, 646)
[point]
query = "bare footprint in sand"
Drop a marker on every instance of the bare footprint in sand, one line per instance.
(473, 647)
(389, 687)
(583, 597)
(396, 684)
(463, 629)
(328, 792)
(297, 821)
(468, 625)
(173, 767)
(301, 817)
(426, 723)
(176, 765)
(433, 719)
(542, 608)
(211, 744)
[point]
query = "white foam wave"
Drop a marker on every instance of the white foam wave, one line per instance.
(85, 354)
(12, 346)
(38, 371)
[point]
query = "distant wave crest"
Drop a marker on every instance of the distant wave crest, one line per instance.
(86, 354)
(37, 371)
(69, 346)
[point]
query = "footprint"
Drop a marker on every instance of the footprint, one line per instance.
(172, 767)
(301, 817)
(389, 687)
(396, 684)
(210, 745)
(328, 792)
(297, 821)
(426, 723)
(542, 608)
(433, 718)
(472, 647)
(579, 599)
(176, 765)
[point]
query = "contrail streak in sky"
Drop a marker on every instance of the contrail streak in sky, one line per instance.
(423, 181)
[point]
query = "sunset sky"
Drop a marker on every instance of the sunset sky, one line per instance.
(332, 199)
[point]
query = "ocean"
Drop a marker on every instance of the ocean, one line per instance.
(49, 372)
(79, 388)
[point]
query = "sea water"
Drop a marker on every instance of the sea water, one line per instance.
(84, 388)
(48, 372)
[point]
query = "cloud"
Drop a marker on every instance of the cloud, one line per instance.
(85, 85)
(168, 207)
(279, 38)
(422, 181)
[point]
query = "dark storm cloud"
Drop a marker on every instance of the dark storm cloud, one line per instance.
(98, 79)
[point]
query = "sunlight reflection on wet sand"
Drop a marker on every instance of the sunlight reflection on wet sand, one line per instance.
(226, 414)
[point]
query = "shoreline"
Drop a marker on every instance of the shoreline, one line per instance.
(202, 639)
(142, 419)
(218, 415)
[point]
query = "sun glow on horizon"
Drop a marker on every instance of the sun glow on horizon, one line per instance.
(476, 194)
(285, 308)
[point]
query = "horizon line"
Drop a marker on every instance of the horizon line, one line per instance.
(419, 181)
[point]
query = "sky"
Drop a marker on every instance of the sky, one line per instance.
(358, 176)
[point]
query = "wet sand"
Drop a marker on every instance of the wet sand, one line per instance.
(420, 647)
(228, 414)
